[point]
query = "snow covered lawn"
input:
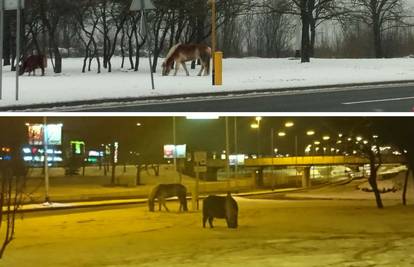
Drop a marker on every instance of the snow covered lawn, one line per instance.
(239, 74)
(271, 233)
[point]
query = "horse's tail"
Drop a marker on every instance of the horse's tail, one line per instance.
(207, 56)
(152, 196)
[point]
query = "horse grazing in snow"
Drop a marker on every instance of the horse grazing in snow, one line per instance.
(33, 62)
(163, 191)
(181, 53)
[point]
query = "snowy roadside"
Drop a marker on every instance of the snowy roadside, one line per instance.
(247, 74)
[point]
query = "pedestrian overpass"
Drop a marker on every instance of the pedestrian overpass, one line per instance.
(308, 161)
(304, 163)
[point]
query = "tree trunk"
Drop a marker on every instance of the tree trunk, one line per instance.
(305, 56)
(312, 38)
(58, 59)
(138, 177)
(377, 39)
(373, 180)
(7, 40)
(404, 195)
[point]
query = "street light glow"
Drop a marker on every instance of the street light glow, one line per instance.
(289, 124)
(254, 125)
(281, 134)
(139, 124)
(258, 119)
(202, 117)
(310, 132)
(326, 137)
(317, 143)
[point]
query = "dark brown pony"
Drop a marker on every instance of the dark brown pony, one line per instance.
(33, 62)
(182, 53)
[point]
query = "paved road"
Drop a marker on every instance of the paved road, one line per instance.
(380, 98)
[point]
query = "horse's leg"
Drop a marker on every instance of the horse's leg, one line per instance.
(185, 68)
(201, 70)
(163, 203)
(210, 221)
(177, 66)
(204, 221)
(206, 69)
(159, 204)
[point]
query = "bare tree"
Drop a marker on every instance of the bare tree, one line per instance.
(379, 15)
(12, 184)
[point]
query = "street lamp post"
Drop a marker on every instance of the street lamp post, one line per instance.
(18, 37)
(175, 144)
(213, 36)
(1, 46)
(235, 148)
(46, 166)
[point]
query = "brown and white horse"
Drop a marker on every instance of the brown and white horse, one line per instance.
(181, 53)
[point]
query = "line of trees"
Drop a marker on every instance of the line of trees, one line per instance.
(99, 29)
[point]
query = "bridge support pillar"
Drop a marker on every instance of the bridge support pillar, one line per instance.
(259, 177)
(306, 182)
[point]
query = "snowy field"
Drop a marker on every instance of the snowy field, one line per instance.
(239, 74)
(272, 233)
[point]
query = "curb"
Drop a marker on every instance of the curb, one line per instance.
(71, 104)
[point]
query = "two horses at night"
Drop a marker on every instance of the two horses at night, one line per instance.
(213, 206)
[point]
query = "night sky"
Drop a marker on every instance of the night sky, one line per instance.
(208, 135)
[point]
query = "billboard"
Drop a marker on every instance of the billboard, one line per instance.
(36, 134)
(169, 151)
(236, 160)
(54, 134)
(177, 151)
(180, 151)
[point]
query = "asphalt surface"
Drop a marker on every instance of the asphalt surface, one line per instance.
(375, 98)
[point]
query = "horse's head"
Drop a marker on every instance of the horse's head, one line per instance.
(166, 68)
(151, 205)
(22, 69)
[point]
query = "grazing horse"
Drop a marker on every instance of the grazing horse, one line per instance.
(181, 53)
(163, 191)
(33, 62)
(220, 207)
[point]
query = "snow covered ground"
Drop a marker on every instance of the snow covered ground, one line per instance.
(239, 74)
(271, 233)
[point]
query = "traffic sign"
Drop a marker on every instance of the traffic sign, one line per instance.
(13, 4)
(141, 4)
(200, 157)
(200, 168)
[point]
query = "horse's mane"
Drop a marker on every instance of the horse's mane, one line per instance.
(171, 52)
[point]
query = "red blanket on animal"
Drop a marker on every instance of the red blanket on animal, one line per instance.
(33, 62)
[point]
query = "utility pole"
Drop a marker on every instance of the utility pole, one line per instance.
(46, 165)
(235, 148)
(18, 31)
(175, 145)
(227, 153)
(213, 36)
(1, 46)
